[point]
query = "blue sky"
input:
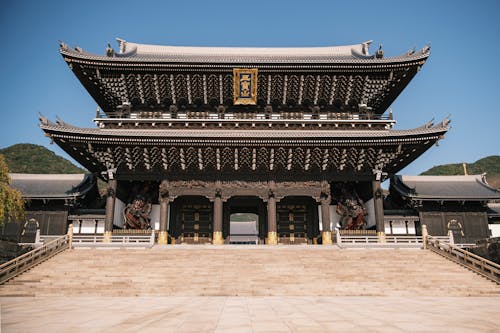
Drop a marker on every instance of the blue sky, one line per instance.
(461, 77)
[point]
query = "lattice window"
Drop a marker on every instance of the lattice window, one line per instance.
(262, 87)
(263, 159)
(133, 92)
(298, 159)
(197, 88)
(173, 158)
(316, 159)
(227, 159)
(213, 89)
(292, 90)
(209, 158)
(245, 159)
(191, 158)
(277, 89)
(341, 89)
(325, 89)
(165, 89)
(309, 89)
(148, 89)
(227, 88)
(155, 157)
(281, 158)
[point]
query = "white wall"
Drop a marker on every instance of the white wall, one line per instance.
(495, 230)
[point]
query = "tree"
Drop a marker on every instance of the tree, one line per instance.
(11, 201)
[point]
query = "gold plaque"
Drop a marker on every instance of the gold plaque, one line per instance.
(245, 86)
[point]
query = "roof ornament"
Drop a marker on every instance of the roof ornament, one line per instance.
(121, 45)
(366, 47)
(380, 53)
(110, 52)
(63, 46)
(42, 119)
(78, 49)
(446, 121)
(60, 122)
(411, 51)
(427, 48)
(430, 123)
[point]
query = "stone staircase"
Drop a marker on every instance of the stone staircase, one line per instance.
(248, 271)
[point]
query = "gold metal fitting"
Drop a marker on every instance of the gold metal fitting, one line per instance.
(381, 237)
(326, 236)
(107, 237)
(162, 238)
(217, 238)
(272, 238)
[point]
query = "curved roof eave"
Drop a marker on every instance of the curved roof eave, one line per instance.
(350, 54)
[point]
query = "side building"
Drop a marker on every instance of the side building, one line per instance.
(189, 136)
(456, 204)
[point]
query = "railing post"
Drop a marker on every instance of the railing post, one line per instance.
(70, 236)
(424, 236)
(339, 238)
(451, 238)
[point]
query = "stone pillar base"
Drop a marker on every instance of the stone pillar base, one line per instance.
(162, 238)
(272, 238)
(381, 237)
(326, 236)
(107, 237)
(217, 238)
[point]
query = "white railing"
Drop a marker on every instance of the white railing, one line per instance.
(99, 240)
(385, 241)
(470, 260)
(24, 262)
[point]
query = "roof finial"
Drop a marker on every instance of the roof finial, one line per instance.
(109, 51)
(427, 48)
(380, 53)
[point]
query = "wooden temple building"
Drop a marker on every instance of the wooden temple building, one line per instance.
(188, 136)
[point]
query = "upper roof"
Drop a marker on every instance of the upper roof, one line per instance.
(52, 186)
(129, 51)
(446, 188)
(152, 77)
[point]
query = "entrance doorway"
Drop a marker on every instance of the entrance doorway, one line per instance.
(245, 220)
(244, 228)
(193, 220)
(297, 220)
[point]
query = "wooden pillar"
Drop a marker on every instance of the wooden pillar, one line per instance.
(217, 233)
(272, 235)
(110, 210)
(378, 204)
(326, 234)
(164, 212)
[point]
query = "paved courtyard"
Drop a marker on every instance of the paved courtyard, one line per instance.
(250, 314)
(249, 289)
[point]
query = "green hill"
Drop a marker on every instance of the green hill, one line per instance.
(490, 165)
(29, 158)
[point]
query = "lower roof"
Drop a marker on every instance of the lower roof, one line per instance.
(447, 188)
(52, 186)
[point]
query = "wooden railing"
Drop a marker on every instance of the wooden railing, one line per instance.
(478, 264)
(98, 240)
(385, 241)
(24, 262)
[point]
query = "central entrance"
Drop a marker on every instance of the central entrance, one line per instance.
(245, 220)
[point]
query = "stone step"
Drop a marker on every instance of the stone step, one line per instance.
(278, 271)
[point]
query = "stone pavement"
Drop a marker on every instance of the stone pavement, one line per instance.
(306, 314)
(249, 289)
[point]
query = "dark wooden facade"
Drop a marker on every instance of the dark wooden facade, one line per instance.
(173, 116)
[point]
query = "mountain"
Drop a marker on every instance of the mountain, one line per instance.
(489, 165)
(29, 158)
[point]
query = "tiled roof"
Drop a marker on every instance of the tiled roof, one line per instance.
(467, 188)
(52, 186)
